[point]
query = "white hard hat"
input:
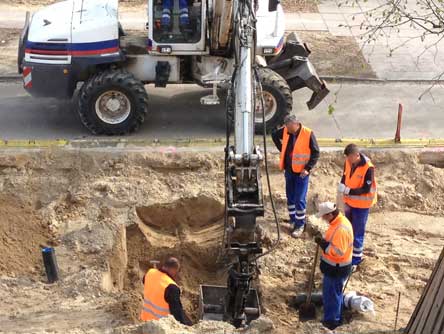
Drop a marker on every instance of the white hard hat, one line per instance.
(325, 208)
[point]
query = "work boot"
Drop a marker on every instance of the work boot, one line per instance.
(329, 327)
(297, 232)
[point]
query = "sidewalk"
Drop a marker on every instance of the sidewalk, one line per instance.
(404, 64)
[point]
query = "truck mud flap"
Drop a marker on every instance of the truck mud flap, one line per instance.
(295, 67)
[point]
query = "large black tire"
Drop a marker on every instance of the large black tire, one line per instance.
(275, 90)
(118, 87)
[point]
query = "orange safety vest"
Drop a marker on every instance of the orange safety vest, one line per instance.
(154, 304)
(340, 236)
(301, 151)
(355, 181)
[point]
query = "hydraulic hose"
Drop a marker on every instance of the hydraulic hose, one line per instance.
(278, 229)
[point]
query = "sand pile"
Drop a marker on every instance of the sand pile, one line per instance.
(22, 235)
(111, 213)
(168, 325)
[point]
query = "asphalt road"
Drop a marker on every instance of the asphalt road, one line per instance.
(362, 110)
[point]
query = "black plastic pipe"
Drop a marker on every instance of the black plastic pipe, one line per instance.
(50, 262)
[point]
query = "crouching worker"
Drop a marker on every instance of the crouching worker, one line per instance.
(336, 261)
(161, 295)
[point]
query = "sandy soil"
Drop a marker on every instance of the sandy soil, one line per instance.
(110, 214)
(8, 51)
(336, 55)
(22, 235)
(303, 6)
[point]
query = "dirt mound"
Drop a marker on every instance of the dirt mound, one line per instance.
(194, 212)
(409, 182)
(167, 325)
(22, 235)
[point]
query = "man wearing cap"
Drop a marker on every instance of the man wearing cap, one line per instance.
(358, 188)
(336, 260)
(299, 154)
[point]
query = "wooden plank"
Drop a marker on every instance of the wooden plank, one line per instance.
(439, 323)
(430, 299)
(418, 313)
(410, 327)
(437, 304)
(441, 328)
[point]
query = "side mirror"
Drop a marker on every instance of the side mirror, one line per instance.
(272, 5)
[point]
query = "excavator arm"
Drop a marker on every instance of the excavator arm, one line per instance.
(238, 302)
(234, 31)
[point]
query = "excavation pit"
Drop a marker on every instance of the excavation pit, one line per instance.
(190, 229)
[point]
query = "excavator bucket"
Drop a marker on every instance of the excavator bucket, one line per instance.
(212, 303)
(295, 67)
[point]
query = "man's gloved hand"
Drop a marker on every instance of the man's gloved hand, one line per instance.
(304, 173)
(322, 243)
(317, 234)
(343, 189)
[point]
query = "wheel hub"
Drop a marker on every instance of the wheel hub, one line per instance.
(113, 107)
(270, 105)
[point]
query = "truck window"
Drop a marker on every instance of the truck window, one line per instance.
(177, 21)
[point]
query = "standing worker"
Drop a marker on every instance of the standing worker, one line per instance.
(161, 296)
(299, 154)
(358, 186)
(336, 259)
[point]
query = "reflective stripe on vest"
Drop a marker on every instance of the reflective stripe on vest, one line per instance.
(343, 258)
(154, 304)
(158, 308)
(356, 181)
(154, 314)
(301, 150)
(370, 197)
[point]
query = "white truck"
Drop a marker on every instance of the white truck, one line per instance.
(80, 44)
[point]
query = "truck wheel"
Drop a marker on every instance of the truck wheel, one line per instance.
(112, 102)
(278, 101)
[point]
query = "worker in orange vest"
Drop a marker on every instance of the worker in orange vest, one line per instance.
(358, 188)
(299, 154)
(336, 261)
(161, 295)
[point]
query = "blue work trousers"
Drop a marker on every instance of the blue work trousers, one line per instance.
(332, 297)
(358, 218)
(296, 188)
